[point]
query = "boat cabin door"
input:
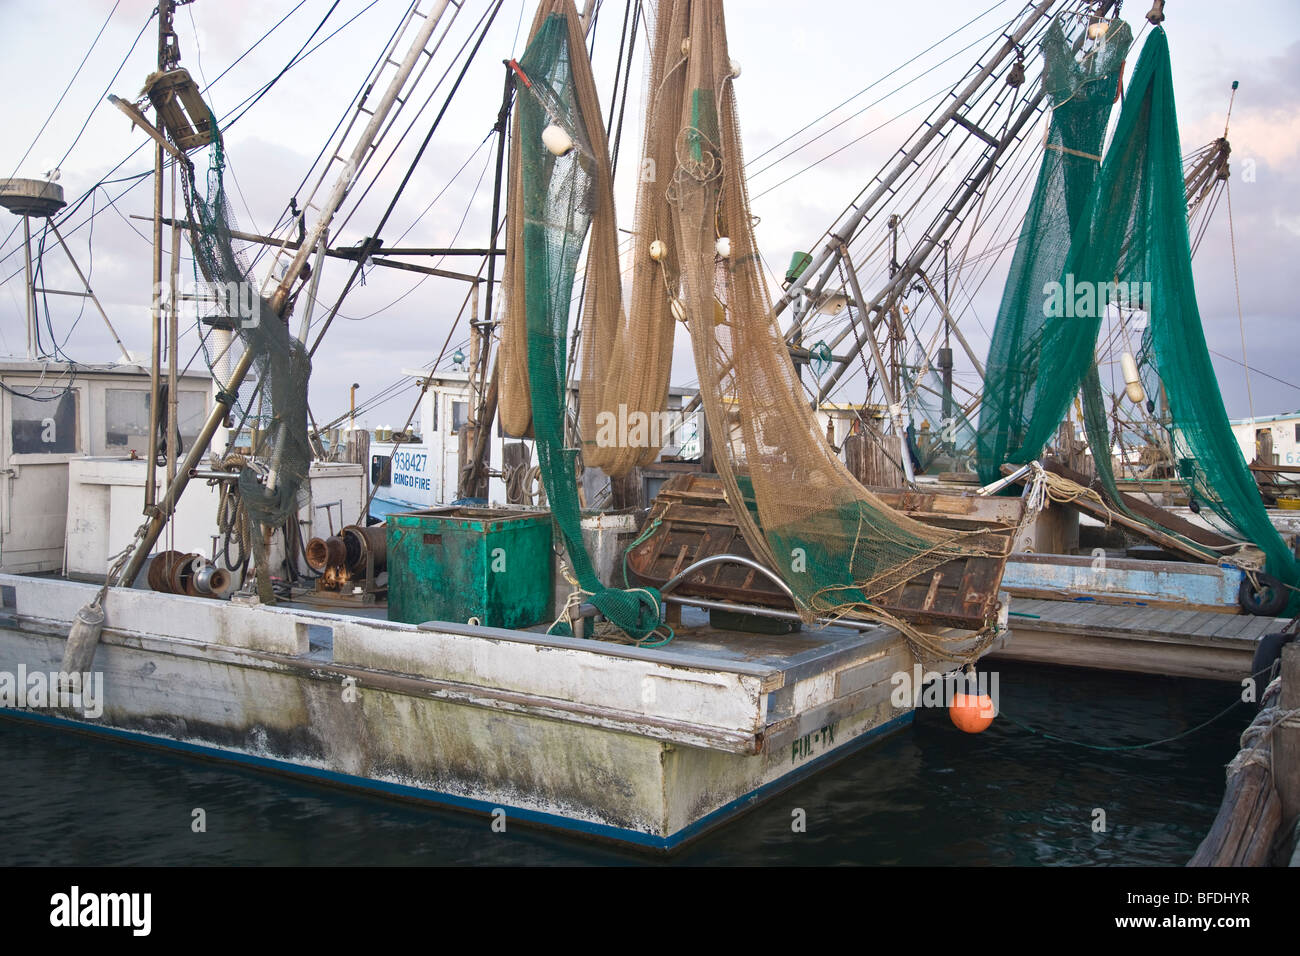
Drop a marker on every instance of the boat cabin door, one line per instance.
(42, 430)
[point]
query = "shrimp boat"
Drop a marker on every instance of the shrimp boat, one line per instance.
(592, 601)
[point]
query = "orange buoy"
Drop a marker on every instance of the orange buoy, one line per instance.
(971, 713)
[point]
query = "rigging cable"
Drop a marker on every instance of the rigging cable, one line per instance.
(489, 18)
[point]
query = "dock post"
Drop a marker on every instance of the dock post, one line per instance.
(1287, 754)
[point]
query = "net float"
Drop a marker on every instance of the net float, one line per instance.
(557, 140)
(1132, 381)
(971, 713)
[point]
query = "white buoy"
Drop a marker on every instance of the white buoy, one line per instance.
(678, 310)
(735, 68)
(686, 46)
(1132, 381)
(723, 246)
(83, 638)
(658, 250)
(557, 140)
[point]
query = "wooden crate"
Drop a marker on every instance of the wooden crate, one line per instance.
(697, 522)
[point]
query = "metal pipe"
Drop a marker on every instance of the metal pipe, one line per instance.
(954, 209)
(842, 235)
(90, 293)
(304, 323)
(30, 291)
(711, 605)
(995, 487)
(360, 153)
(952, 323)
(173, 335)
(155, 325)
(727, 559)
(887, 386)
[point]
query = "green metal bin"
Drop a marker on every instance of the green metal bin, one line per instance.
(453, 564)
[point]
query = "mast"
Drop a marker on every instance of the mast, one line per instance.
(226, 398)
(168, 57)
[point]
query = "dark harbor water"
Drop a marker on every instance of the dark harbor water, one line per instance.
(929, 795)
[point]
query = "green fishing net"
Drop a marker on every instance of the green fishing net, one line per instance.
(1131, 247)
(1018, 382)
(558, 197)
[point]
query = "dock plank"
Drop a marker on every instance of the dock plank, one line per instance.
(1209, 625)
(1180, 620)
(1264, 625)
(1236, 625)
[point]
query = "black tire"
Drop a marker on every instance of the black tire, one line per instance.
(1268, 600)
(1267, 653)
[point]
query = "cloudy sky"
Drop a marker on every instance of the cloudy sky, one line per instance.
(798, 61)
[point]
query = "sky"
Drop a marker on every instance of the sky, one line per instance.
(797, 62)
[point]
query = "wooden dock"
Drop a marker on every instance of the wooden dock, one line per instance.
(1202, 644)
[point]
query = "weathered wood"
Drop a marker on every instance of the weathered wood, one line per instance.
(865, 456)
(1286, 763)
(1245, 830)
(1170, 531)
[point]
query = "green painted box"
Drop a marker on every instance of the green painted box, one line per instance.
(454, 564)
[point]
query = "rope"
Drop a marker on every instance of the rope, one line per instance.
(1273, 688)
(606, 630)
(1072, 152)
(1123, 747)
(1256, 748)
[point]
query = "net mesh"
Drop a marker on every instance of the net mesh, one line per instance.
(1131, 247)
(1082, 87)
(557, 198)
(837, 545)
(627, 359)
(276, 402)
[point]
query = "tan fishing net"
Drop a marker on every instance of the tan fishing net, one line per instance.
(838, 546)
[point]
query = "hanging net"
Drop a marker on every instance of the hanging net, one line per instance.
(1082, 87)
(1131, 248)
(836, 545)
(627, 359)
(273, 402)
(558, 193)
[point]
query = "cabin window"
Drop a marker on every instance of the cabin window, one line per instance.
(459, 415)
(381, 469)
(434, 398)
(1297, 431)
(126, 418)
(43, 421)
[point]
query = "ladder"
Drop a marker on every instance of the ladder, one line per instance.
(360, 139)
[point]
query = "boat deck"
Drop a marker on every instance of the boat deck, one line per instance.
(696, 642)
(1180, 643)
